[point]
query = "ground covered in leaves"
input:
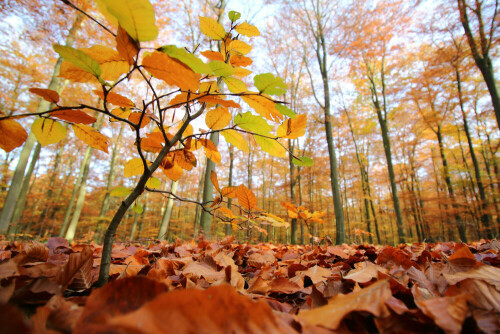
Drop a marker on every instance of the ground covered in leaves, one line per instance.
(229, 287)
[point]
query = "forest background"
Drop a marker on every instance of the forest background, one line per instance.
(413, 127)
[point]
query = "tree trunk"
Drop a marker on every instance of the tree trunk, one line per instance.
(228, 227)
(480, 53)
(206, 217)
(485, 216)
(168, 212)
(24, 189)
(451, 192)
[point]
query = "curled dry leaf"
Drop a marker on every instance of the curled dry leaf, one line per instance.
(371, 299)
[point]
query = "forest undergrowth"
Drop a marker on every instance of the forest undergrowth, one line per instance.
(228, 286)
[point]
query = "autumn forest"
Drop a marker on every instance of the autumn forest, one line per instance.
(311, 123)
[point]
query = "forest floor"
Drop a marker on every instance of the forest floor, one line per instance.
(229, 287)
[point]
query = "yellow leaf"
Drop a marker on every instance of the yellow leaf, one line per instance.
(241, 72)
(211, 151)
(218, 118)
(116, 99)
(174, 172)
(172, 71)
(153, 183)
(263, 106)
(48, 131)
(137, 17)
(91, 137)
(235, 138)
(293, 128)
(246, 197)
(271, 146)
(134, 167)
(240, 47)
(112, 64)
(208, 87)
(234, 85)
(12, 134)
(211, 28)
(120, 112)
(247, 29)
(188, 131)
(73, 73)
(213, 155)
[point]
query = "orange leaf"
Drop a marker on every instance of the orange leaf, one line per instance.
(108, 301)
(91, 136)
(219, 309)
(172, 71)
(215, 182)
(213, 55)
(371, 299)
(47, 94)
(135, 117)
(12, 134)
(153, 142)
(217, 100)
(239, 60)
(116, 99)
(126, 46)
(289, 206)
(218, 118)
(172, 170)
(74, 116)
(246, 197)
(263, 106)
(229, 192)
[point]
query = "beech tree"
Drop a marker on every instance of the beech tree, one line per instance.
(160, 122)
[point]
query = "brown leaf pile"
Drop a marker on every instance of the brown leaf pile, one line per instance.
(226, 287)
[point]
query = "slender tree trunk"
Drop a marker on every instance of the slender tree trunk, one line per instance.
(293, 182)
(199, 194)
(485, 216)
(480, 53)
(69, 209)
(228, 227)
(206, 217)
(451, 192)
(24, 189)
(17, 180)
(168, 212)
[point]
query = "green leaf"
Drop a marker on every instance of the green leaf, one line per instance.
(120, 192)
(221, 69)
(137, 17)
(79, 59)
(153, 183)
(271, 146)
(233, 16)
(187, 58)
(304, 161)
(284, 110)
(137, 208)
(267, 83)
(252, 123)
